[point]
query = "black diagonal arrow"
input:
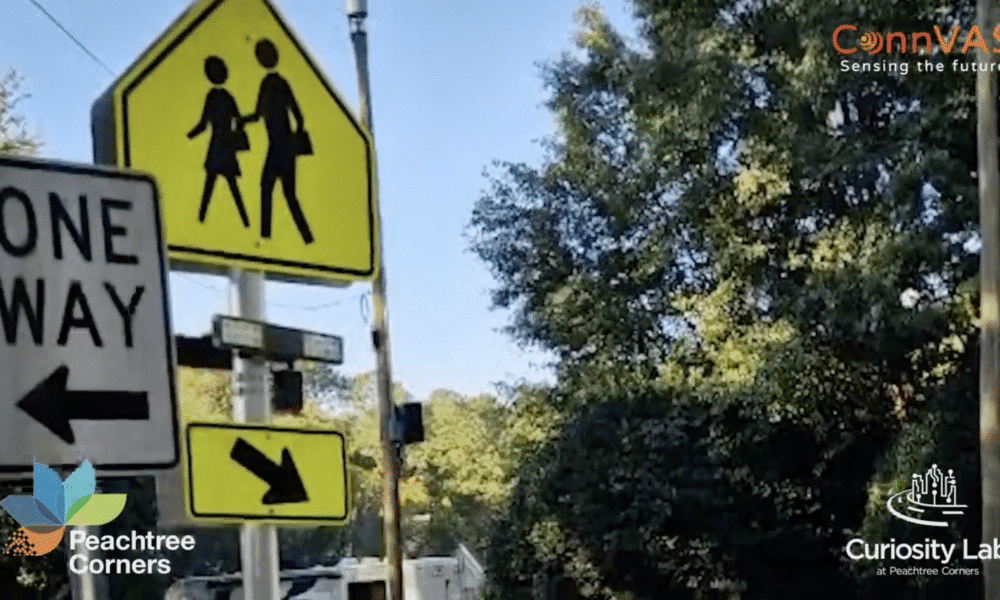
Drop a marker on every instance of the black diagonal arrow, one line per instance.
(52, 405)
(286, 485)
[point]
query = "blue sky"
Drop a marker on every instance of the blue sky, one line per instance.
(455, 85)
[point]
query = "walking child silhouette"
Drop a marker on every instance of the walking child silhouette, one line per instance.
(220, 112)
(274, 101)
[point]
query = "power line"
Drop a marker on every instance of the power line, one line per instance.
(192, 279)
(314, 307)
(78, 42)
(299, 307)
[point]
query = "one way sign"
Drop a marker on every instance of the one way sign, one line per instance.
(85, 355)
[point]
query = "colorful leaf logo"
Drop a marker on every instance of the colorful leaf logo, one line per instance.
(55, 504)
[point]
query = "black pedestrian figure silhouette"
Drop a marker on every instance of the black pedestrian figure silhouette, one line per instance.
(221, 113)
(274, 101)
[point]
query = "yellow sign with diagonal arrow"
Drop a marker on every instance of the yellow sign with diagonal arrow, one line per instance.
(270, 474)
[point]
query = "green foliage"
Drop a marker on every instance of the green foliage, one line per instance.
(456, 476)
(671, 488)
(324, 385)
(773, 250)
(453, 483)
(621, 502)
(14, 136)
(204, 394)
(943, 433)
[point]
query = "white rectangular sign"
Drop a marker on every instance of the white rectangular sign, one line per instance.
(85, 345)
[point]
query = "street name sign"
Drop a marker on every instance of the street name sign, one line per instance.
(86, 358)
(260, 163)
(271, 474)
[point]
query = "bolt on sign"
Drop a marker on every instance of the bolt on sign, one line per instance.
(260, 163)
(86, 358)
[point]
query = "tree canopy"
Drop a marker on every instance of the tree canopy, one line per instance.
(754, 264)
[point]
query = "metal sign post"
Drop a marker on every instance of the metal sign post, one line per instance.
(86, 585)
(258, 543)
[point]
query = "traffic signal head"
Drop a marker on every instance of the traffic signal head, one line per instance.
(410, 422)
(286, 395)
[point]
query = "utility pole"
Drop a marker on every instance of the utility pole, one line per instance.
(356, 11)
(989, 303)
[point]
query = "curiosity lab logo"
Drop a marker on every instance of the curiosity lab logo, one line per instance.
(43, 516)
(931, 499)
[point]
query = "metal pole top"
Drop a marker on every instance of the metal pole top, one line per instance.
(356, 8)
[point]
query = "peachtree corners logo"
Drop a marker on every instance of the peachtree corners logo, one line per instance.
(931, 499)
(43, 516)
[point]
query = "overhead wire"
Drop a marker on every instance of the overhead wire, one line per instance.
(190, 278)
(71, 36)
(317, 306)
(314, 307)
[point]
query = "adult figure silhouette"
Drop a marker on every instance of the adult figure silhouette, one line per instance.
(221, 113)
(274, 102)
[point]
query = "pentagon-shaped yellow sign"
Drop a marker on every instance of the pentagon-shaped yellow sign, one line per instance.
(259, 161)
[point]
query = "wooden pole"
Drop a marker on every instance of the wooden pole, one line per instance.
(989, 307)
(380, 338)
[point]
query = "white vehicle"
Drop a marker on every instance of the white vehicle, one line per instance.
(458, 577)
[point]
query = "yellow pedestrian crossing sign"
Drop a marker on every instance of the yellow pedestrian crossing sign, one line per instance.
(269, 474)
(260, 163)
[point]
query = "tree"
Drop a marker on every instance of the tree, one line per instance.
(458, 473)
(327, 387)
(727, 223)
(14, 136)
(453, 483)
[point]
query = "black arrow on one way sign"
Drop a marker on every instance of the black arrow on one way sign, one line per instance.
(52, 405)
(286, 485)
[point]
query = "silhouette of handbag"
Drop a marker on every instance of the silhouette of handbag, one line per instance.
(240, 139)
(302, 143)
